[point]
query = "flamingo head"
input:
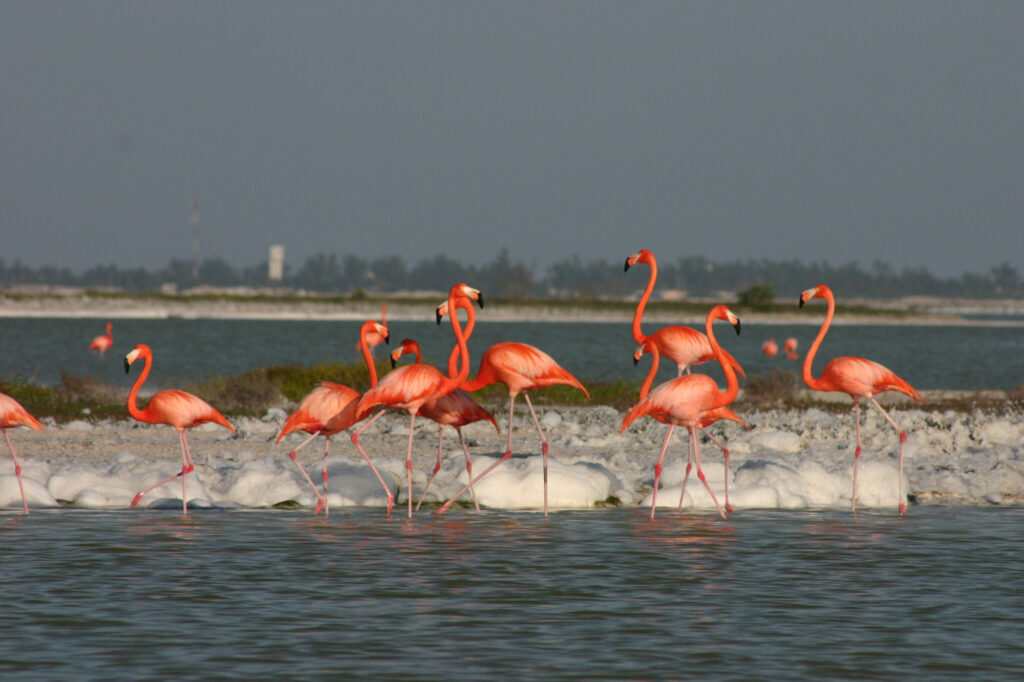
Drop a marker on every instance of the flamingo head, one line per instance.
(820, 291)
(141, 350)
(639, 353)
(463, 293)
(721, 312)
(110, 325)
(641, 256)
(374, 332)
(407, 346)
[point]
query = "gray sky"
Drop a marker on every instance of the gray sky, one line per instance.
(839, 131)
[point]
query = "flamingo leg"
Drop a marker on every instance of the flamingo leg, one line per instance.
(856, 452)
(903, 440)
(700, 472)
(320, 501)
(408, 461)
(355, 441)
(469, 468)
(689, 467)
(17, 470)
(327, 446)
(508, 453)
(543, 448)
(186, 467)
(657, 468)
(725, 453)
(437, 467)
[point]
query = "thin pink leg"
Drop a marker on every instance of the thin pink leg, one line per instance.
(657, 468)
(689, 467)
(543, 448)
(327, 445)
(408, 461)
(469, 468)
(856, 453)
(437, 467)
(186, 467)
(355, 441)
(320, 501)
(17, 470)
(700, 472)
(725, 453)
(508, 453)
(903, 440)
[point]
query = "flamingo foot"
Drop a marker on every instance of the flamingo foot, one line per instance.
(319, 505)
(390, 503)
(728, 508)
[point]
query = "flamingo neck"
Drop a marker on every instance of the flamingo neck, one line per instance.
(655, 358)
(638, 334)
(732, 384)
(453, 382)
(371, 366)
(133, 408)
(810, 380)
(453, 357)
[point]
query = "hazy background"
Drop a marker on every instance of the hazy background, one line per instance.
(848, 131)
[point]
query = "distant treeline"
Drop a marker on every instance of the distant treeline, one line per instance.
(568, 278)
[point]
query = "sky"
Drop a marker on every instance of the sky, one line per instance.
(818, 131)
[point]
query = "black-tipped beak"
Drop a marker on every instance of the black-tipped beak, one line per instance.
(393, 361)
(800, 301)
(737, 326)
(439, 316)
(626, 268)
(387, 339)
(636, 361)
(127, 365)
(480, 301)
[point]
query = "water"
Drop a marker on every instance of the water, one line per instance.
(586, 595)
(969, 357)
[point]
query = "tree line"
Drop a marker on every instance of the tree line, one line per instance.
(505, 277)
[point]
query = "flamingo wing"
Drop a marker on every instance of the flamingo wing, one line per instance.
(681, 401)
(182, 410)
(405, 387)
(13, 414)
(457, 408)
(521, 367)
(318, 408)
(862, 377)
(686, 346)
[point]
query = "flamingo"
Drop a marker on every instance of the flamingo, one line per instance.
(770, 348)
(330, 408)
(707, 419)
(176, 408)
(410, 387)
(857, 378)
(790, 348)
(521, 368)
(12, 414)
(682, 345)
(102, 343)
(688, 401)
(455, 409)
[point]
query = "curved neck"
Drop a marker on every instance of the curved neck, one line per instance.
(453, 357)
(133, 409)
(655, 357)
(813, 350)
(453, 382)
(371, 366)
(732, 384)
(638, 334)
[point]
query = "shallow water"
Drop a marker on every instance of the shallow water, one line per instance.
(929, 357)
(599, 594)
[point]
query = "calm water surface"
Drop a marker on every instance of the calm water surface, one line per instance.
(929, 357)
(937, 594)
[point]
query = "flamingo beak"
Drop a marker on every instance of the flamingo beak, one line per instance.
(626, 268)
(394, 361)
(439, 315)
(737, 326)
(127, 365)
(480, 301)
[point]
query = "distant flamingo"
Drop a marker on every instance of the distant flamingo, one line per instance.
(688, 401)
(790, 348)
(102, 343)
(707, 419)
(857, 378)
(521, 368)
(176, 408)
(682, 345)
(770, 348)
(375, 339)
(12, 414)
(455, 409)
(412, 386)
(331, 408)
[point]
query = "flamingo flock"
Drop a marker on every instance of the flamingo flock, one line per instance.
(693, 401)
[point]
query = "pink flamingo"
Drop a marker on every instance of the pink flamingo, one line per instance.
(330, 408)
(790, 348)
(682, 345)
(176, 408)
(688, 401)
(456, 409)
(412, 386)
(12, 415)
(857, 378)
(770, 348)
(521, 368)
(707, 419)
(102, 343)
